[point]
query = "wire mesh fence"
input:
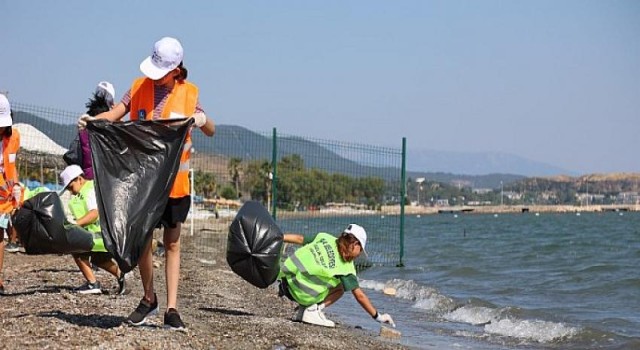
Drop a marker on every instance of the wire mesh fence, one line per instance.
(309, 185)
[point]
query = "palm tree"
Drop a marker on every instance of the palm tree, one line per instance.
(234, 167)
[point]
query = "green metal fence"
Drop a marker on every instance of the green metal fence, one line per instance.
(309, 185)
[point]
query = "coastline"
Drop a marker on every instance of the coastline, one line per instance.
(221, 310)
(467, 210)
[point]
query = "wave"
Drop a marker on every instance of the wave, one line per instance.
(536, 330)
(426, 298)
(497, 321)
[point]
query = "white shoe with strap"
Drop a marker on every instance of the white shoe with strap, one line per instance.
(313, 315)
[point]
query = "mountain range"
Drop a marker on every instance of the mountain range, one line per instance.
(485, 170)
(475, 163)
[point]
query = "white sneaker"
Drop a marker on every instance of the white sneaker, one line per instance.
(312, 315)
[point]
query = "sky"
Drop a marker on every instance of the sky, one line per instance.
(551, 81)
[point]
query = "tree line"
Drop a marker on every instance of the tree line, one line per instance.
(297, 187)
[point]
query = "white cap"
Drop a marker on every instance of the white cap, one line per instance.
(358, 232)
(107, 87)
(69, 174)
(5, 112)
(167, 55)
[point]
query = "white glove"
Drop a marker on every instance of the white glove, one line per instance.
(385, 318)
(17, 193)
(82, 121)
(200, 119)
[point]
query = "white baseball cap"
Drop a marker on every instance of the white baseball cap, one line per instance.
(106, 87)
(167, 55)
(69, 174)
(358, 232)
(5, 112)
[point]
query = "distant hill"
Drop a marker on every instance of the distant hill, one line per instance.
(237, 141)
(478, 163)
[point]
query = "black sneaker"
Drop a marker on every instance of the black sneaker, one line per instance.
(172, 320)
(89, 288)
(144, 310)
(122, 287)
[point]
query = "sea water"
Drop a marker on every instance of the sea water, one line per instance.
(510, 281)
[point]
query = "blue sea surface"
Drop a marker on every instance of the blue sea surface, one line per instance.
(510, 281)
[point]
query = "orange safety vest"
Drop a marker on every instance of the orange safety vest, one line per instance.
(182, 100)
(10, 146)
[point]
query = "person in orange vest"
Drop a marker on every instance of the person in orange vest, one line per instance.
(10, 189)
(163, 93)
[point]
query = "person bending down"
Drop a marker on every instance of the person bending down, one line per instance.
(320, 271)
(84, 209)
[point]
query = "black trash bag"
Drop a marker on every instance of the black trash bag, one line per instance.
(43, 227)
(74, 153)
(135, 164)
(254, 245)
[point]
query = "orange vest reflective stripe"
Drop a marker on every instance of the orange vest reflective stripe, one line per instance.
(182, 100)
(10, 146)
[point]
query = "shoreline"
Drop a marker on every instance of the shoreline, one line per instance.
(467, 210)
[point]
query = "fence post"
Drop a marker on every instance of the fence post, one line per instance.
(403, 195)
(274, 182)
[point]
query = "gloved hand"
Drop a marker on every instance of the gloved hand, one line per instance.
(200, 119)
(385, 318)
(17, 194)
(82, 121)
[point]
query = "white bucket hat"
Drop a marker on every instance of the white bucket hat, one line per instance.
(167, 55)
(359, 232)
(106, 87)
(69, 174)
(5, 112)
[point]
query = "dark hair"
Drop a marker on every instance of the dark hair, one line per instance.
(183, 72)
(97, 104)
(9, 129)
(344, 242)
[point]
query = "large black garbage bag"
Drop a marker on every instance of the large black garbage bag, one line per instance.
(254, 245)
(43, 228)
(135, 164)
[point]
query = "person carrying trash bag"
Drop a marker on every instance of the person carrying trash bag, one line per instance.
(163, 93)
(317, 274)
(84, 209)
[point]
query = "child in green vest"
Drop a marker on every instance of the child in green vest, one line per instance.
(319, 273)
(84, 209)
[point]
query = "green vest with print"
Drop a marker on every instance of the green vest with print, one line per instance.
(78, 207)
(311, 271)
(31, 193)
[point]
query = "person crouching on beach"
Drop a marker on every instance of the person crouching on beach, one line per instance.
(320, 271)
(84, 209)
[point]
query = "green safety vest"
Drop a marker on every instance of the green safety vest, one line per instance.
(311, 271)
(78, 207)
(31, 193)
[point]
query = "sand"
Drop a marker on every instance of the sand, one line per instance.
(222, 311)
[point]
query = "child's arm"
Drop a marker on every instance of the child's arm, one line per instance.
(293, 238)
(364, 301)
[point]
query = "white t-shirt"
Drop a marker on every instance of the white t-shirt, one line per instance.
(92, 202)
